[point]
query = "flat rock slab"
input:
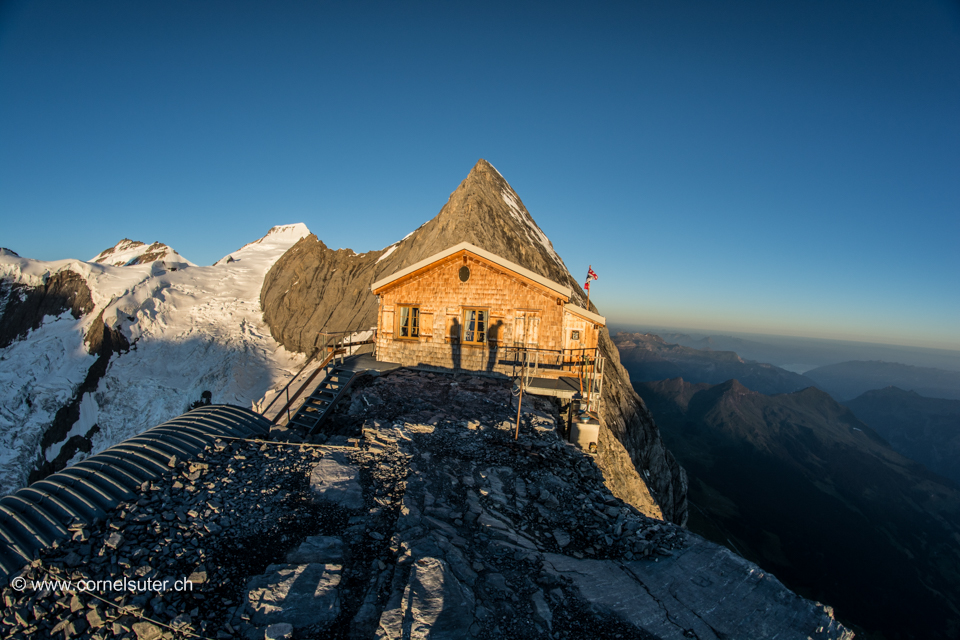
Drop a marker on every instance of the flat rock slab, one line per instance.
(299, 594)
(337, 480)
(704, 590)
(434, 604)
(318, 549)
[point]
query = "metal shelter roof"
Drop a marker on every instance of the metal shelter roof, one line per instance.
(35, 516)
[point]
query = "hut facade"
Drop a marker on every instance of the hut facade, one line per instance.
(468, 309)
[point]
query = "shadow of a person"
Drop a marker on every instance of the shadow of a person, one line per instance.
(455, 343)
(493, 334)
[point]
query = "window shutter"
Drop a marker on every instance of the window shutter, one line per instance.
(387, 324)
(426, 324)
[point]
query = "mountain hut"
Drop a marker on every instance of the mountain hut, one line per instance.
(466, 309)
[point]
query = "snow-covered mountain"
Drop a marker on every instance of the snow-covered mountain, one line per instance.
(131, 252)
(94, 353)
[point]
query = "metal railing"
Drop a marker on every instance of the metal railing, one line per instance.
(587, 365)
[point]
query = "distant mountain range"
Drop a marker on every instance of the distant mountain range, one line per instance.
(847, 380)
(925, 429)
(798, 484)
(802, 354)
(648, 357)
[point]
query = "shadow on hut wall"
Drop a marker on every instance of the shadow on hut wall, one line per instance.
(493, 338)
(455, 343)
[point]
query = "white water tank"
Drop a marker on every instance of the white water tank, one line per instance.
(586, 433)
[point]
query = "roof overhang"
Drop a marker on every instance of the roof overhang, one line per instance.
(546, 283)
(596, 318)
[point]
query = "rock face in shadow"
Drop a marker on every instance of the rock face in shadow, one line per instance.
(313, 288)
(796, 483)
(23, 308)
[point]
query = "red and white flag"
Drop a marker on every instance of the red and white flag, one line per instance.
(590, 276)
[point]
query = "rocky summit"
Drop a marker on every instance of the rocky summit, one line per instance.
(432, 520)
(313, 288)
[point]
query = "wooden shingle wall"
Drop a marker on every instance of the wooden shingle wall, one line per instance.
(588, 332)
(518, 310)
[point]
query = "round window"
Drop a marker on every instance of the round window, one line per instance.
(464, 273)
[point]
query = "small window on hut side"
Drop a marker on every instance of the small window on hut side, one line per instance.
(474, 326)
(408, 322)
(575, 335)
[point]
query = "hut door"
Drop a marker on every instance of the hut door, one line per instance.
(527, 329)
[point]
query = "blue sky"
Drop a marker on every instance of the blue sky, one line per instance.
(778, 167)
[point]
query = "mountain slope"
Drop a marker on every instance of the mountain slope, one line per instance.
(313, 288)
(797, 484)
(924, 429)
(98, 353)
(847, 380)
(649, 357)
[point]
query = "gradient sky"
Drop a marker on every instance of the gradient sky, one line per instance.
(779, 167)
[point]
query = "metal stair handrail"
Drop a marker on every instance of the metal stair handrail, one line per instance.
(338, 348)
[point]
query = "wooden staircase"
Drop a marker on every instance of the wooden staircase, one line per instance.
(319, 404)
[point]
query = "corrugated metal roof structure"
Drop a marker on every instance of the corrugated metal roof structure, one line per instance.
(37, 515)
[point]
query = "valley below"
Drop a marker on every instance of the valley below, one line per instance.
(800, 484)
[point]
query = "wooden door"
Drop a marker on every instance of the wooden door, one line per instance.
(527, 329)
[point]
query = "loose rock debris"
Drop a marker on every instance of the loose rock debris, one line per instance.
(435, 523)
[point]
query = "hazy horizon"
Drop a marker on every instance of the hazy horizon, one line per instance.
(821, 351)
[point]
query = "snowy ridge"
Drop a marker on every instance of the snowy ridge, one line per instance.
(131, 252)
(191, 329)
(285, 235)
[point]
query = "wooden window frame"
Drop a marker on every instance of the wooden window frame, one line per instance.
(397, 313)
(463, 328)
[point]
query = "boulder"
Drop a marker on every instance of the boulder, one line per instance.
(299, 594)
(336, 480)
(318, 549)
(434, 604)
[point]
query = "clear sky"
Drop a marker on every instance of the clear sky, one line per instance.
(778, 167)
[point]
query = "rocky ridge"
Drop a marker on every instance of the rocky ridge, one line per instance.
(313, 288)
(445, 525)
